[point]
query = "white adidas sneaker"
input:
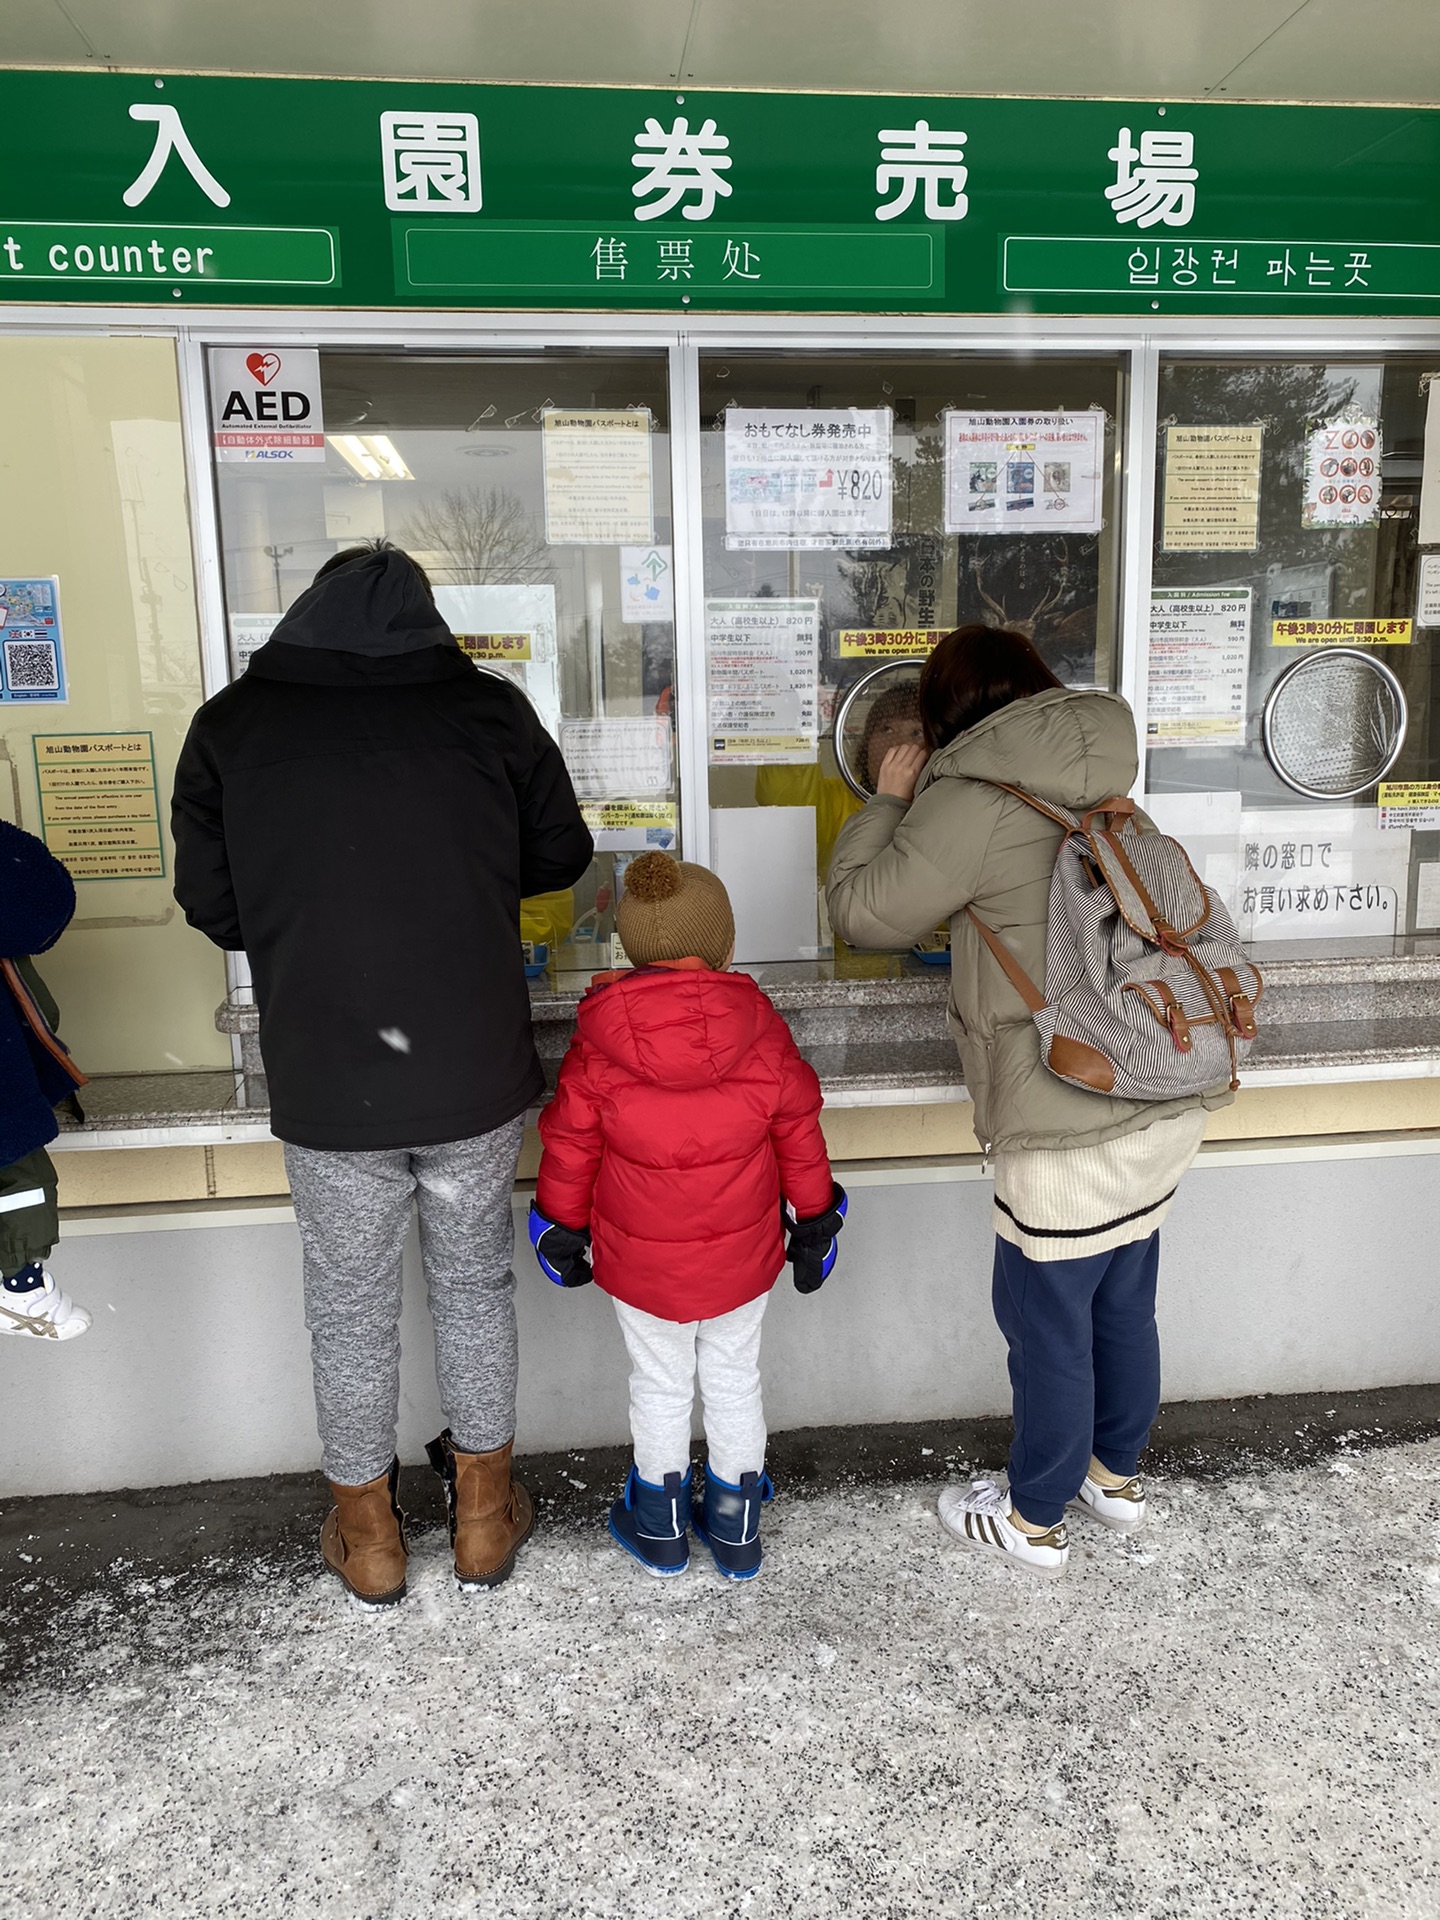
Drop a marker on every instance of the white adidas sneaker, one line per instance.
(44, 1312)
(1122, 1508)
(981, 1518)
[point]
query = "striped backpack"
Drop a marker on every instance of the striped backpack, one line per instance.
(1148, 994)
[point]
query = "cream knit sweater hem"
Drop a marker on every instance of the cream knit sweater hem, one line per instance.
(1069, 1203)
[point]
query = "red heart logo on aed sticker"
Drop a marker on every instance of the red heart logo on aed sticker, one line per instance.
(263, 366)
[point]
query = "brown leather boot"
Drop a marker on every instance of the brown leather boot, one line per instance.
(490, 1514)
(363, 1539)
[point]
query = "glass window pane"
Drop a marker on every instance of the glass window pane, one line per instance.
(535, 490)
(93, 493)
(855, 508)
(1288, 672)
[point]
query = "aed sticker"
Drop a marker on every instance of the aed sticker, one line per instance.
(266, 405)
(1409, 804)
(1341, 633)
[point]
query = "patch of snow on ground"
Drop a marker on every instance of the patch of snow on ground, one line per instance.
(1234, 1715)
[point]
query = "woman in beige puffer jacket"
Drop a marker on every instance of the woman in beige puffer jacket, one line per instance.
(1082, 1180)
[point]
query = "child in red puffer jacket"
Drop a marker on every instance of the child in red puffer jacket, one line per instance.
(684, 1121)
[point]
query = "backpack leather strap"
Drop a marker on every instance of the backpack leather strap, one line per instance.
(1117, 807)
(1014, 972)
(1061, 818)
(35, 1020)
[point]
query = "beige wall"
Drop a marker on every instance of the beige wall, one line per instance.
(92, 489)
(138, 1176)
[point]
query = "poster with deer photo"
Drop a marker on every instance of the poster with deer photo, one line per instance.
(1024, 472)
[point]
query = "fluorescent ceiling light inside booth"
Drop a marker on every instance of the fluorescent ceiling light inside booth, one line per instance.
(374, 456)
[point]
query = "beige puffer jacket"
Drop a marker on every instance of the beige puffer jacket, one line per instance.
(897, 873)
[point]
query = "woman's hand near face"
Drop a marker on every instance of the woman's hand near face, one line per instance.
(899, 770)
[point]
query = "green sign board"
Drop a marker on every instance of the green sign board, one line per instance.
(229, 191)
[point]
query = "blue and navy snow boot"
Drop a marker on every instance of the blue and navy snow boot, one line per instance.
(653, 1522)
(731, 1527)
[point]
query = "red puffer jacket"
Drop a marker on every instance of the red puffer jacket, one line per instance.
(684, 1111)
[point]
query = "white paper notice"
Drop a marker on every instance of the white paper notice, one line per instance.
(1199, 663)
(763, 679)
(1207, 825)
(1412, 804)
(814, 477)
(1342, 474)
(597, 476)
(1428, 533)
(248, 633)
(766, 858)
(1313, 872)
(618, 759)
(265, 405)
(476, 612)
(647, 584)
(1023, 472)
(1427, 606)
(1427, 894)
(488, 621)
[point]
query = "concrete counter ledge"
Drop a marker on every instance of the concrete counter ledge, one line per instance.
(873, 1027)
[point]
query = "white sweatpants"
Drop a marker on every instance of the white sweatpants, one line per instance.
(665, 1356)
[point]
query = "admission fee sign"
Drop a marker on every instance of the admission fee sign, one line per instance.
(167, 189)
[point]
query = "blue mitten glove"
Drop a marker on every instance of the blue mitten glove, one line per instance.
(812, 1247)
(561, 1251)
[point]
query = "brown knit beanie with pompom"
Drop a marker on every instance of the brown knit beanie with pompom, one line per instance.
(673, 910)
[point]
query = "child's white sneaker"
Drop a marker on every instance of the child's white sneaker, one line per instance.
(981, 1518)
(1121, 1508)
(42, 1311)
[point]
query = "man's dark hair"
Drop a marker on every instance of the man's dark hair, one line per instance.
(972, 673)
(347, 554)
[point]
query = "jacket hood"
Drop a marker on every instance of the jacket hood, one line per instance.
(37, 895)
(1072, 748)
(675, 1027)
(325, 667)
(376, 605)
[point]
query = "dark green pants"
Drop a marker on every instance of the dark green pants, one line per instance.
(29, 1216)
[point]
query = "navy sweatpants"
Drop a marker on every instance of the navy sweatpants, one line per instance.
(1084, 1367)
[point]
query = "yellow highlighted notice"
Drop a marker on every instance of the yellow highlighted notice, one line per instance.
(1341, 633)
(889, 643)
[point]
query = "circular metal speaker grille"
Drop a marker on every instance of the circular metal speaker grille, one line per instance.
(1334, 724)
(881, 710)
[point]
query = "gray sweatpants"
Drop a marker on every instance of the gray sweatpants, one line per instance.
(353, 1211)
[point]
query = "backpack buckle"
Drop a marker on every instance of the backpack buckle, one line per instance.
(1242, 1011)
(1242, 1007)
(1176, 1020)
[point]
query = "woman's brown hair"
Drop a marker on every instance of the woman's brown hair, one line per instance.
(972, 673)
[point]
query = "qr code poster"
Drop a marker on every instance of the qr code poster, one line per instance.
(32, 654)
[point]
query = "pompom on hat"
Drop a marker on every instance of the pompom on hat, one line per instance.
(674, 910)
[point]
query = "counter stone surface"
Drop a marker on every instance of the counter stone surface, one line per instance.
(873, 1025)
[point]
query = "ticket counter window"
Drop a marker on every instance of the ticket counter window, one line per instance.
(535, 491)
(99, 676)
(855, 508)
(1290, 698)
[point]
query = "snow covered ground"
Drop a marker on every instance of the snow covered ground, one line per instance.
(1235, 1714)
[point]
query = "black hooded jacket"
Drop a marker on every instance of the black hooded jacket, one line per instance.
(363, 812)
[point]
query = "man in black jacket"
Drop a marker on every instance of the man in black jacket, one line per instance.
(362, 813)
